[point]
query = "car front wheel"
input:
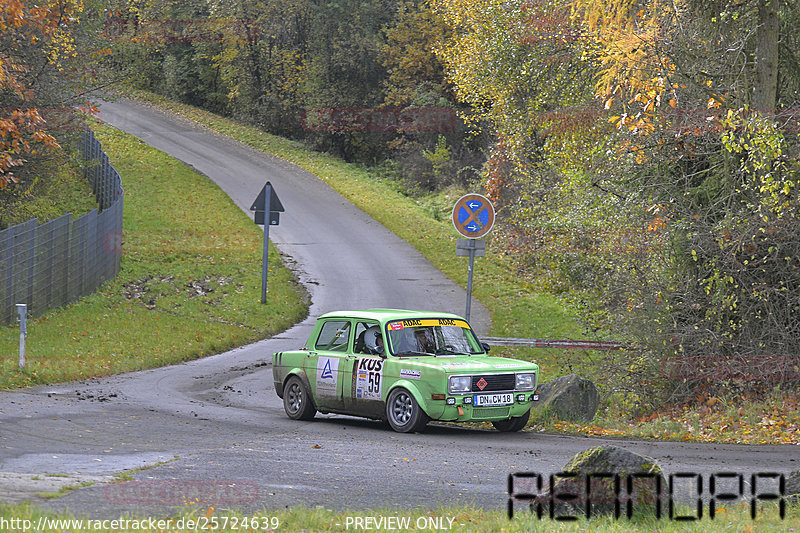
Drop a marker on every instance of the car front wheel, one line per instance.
(404, 413)
(512, 424)
(297, 400)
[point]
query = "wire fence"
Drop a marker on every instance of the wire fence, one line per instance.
(49, 265)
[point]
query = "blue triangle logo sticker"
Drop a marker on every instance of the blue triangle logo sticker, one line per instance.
(326, 372)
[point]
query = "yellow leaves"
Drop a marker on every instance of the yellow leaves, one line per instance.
(628, 48)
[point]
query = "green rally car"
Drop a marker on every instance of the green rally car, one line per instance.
(405, 367)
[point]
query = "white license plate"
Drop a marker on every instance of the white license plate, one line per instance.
(489, 400)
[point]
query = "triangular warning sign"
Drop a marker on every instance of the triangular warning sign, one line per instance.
(275, 203)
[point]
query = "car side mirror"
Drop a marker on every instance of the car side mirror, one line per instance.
(486, 347)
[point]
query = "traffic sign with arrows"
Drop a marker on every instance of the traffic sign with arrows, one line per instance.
(473, 216)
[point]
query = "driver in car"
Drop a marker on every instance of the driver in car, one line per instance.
(373, 340)
(424, 340)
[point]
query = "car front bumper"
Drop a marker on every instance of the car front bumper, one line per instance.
(456, 409)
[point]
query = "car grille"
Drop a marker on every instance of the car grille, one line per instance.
(490, 412)
(494, 382)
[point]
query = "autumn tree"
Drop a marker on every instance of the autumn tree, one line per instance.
(521, 67)
(706, 133)
(415, 74)
(449, 153)
(38, 76)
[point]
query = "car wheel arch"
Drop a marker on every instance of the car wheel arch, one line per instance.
(413, 390)
(304, 378)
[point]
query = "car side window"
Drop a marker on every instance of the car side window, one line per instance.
(369, 339)
(334, 336)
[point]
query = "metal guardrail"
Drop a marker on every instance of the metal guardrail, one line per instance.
(554, 343)
(49, 265)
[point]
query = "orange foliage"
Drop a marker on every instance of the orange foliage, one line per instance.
(43, 29)
(498, 171)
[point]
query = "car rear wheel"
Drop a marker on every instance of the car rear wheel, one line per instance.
(512, 424)
(297, 400)
(404, 413)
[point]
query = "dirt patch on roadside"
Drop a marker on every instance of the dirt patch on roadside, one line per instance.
(18, 488)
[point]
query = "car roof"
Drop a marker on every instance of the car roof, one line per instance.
(388, 314)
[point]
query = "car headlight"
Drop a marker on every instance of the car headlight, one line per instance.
(459, 384)
(525, 382)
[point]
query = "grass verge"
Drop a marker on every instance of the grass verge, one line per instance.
(733, 419)
(190, 283)
(733, 517)
(63, 191)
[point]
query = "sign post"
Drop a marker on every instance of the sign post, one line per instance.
(473, 217)
(267, 209)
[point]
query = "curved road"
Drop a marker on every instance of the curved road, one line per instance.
(215, 429)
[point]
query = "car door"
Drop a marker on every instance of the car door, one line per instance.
(328, 361)
(365, 372)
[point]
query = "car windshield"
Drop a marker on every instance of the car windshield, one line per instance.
(432, 336)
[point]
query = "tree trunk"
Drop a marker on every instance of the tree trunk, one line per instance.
(765, 91)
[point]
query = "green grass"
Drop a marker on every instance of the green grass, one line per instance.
(63, 191)
(63, 491)
(190, 283)
(732, 518)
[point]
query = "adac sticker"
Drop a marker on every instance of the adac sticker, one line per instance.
(420, 322)
(369, 378)
(327, 370)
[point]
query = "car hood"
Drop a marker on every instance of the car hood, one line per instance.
(462, 364)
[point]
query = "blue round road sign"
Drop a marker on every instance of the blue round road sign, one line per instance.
(473, 216)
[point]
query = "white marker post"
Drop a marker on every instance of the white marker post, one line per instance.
(22, 309)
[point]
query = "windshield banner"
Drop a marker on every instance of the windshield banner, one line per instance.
(401, 324)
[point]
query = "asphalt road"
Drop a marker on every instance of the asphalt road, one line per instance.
(213, 431)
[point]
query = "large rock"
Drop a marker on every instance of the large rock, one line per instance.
(571, 398)
(793, 486)
(606, 465)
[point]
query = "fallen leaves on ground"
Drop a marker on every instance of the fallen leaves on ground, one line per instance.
(741, 420)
